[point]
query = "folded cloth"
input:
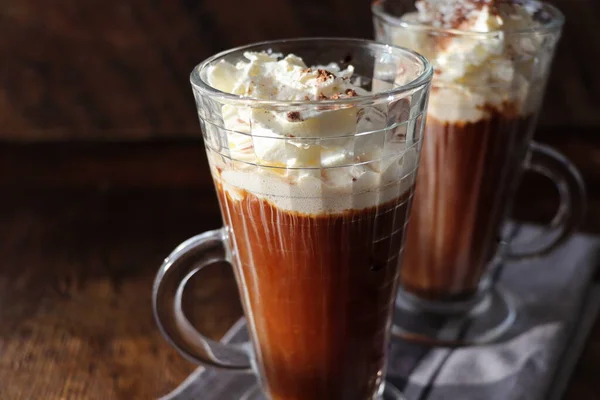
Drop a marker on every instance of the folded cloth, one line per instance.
(530, 364)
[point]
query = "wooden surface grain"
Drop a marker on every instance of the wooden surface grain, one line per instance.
(83, 229)
(77, 260)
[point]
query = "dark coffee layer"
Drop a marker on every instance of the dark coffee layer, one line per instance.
(318, 291)
(467, 176)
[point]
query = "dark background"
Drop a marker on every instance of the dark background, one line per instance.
(117, 71)
(102, 173)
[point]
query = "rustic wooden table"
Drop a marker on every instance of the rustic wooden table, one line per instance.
(83, 228)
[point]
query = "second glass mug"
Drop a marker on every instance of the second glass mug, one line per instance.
(317, 268)
(473, 156)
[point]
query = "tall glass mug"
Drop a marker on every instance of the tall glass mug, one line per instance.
(314, 241)
(486, 93)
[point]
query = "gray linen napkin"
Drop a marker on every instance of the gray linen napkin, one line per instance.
(556, 310)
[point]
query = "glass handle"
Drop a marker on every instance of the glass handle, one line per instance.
(573, 203)
(177, 269)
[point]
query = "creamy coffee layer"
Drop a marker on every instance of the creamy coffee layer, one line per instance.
(486, 64)
(317, 291)
(320, 159)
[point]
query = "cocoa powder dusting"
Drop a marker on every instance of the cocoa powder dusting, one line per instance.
(337, 96)
(294, 116)
(453, 13)
(324, 75)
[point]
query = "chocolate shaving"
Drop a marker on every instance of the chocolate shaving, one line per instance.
(306, 98)
(336, 96)
(307, 71)
(294, 116)
(324, 75)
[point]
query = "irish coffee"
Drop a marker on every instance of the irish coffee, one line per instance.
(489, 79)
(313, 146)
(315, 204)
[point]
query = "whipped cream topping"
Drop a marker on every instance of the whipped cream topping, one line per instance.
(320, 158)
(488, 68)
(270, 76)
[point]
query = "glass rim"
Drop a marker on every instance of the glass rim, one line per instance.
(421, 80)
(555, 24)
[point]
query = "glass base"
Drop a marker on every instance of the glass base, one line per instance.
(482, 320)
(389, 393)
